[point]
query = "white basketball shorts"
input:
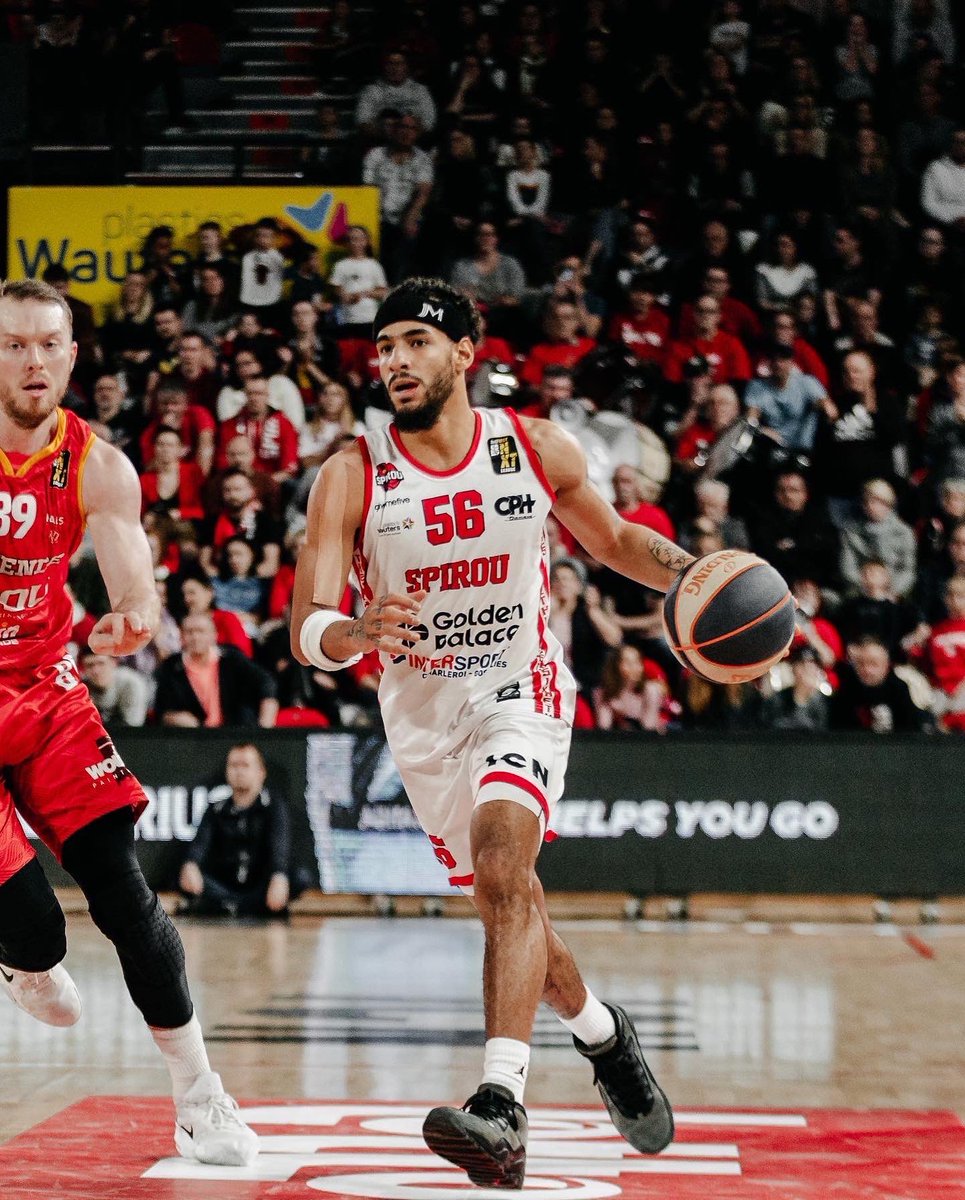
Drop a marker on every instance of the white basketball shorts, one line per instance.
(508, 756)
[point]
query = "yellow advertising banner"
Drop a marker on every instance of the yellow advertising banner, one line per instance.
(96, 233)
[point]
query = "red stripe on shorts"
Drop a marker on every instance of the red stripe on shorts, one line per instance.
(524, 784)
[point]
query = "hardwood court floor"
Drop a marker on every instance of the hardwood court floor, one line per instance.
(793, 1016)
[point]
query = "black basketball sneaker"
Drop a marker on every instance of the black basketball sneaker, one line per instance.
(486, 1137)
(637, 1107)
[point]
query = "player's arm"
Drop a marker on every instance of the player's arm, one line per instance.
(334, 517)
(633, 550)
(111, 496)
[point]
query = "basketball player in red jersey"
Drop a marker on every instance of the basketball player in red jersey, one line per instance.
(441, 514)
(58, 767)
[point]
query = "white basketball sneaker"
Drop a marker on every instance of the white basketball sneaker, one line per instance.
(50, 996)
(209, 1128)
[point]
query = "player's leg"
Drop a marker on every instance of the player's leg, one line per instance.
(33, 937)
(604, 1034)
(511, 791)
(101, 857)
(487, 1137)
(33, 933)
(86, 816)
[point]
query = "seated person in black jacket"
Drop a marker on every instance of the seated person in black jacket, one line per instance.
(211, 685)
(237, 864)
(871, 696)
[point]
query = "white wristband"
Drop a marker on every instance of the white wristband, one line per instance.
(310, 640)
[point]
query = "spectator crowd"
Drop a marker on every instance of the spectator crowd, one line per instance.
(735, 230)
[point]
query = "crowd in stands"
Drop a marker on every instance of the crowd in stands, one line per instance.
(738, 226)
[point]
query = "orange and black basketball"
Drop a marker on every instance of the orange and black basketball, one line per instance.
(729, 616)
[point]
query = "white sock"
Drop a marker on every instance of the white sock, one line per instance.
(593, 1024)
(506, 1063)
(184, 1055)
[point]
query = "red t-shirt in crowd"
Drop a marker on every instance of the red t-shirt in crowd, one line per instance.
(651, 515)
(359, 356)
(230, 631)
(726, 355)
(689, 441)
(204, 390)
(196, 421)
(492, 349)
(187, 500)
(735, 318)
(831, 638)
(945, 657)
(555, 354)
(646, 337)
(273, 439)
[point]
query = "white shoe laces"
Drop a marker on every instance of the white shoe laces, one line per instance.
(221, 1112)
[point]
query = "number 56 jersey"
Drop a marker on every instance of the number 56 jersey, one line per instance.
(473, 537)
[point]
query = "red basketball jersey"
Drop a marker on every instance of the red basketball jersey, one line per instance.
(41, 525)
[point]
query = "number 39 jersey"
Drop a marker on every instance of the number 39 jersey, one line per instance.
(41, 526)
(473, 537)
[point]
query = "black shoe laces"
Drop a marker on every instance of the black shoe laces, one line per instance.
(625, 1078)
(490, 1106)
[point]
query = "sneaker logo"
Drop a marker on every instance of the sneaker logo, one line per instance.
(8, 978)
(187, 1130)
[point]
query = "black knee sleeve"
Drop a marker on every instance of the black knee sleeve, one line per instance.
(33, 932)
(101, 858)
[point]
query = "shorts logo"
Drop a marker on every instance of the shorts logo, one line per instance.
(388, 476)
(503, 455)
(520, 762)
(509, 691)
(435, 313)
(110, 765)
(516, 508)
(60, 470)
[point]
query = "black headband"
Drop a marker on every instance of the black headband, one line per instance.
(426, 306)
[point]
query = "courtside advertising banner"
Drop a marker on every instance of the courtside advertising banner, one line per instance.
(644, 815)
(96, 233)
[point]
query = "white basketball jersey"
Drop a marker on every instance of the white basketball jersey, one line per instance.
(474, 538)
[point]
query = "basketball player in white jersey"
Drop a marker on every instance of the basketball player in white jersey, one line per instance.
(441, 516)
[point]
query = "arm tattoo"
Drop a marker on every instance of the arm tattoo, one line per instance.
(667, 554)
(357, 631)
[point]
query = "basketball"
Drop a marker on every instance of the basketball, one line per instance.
(729, 616)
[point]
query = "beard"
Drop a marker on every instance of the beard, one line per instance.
(419, 419)
(26, 414)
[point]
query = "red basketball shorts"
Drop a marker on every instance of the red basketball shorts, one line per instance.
(58, 766)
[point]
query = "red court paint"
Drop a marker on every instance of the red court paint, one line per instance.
(919, 945)
(117, 1147)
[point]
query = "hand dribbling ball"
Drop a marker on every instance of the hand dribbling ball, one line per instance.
(729, 616)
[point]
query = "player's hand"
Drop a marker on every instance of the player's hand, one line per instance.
(191, 880)
(276, 898)
(388, 623)
(119, 634)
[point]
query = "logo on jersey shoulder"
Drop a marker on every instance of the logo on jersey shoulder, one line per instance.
(509, 691)
(504, 455)
(516, 508)
(111, 764)
(435, 313)
(388, 476)
(60, 470)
